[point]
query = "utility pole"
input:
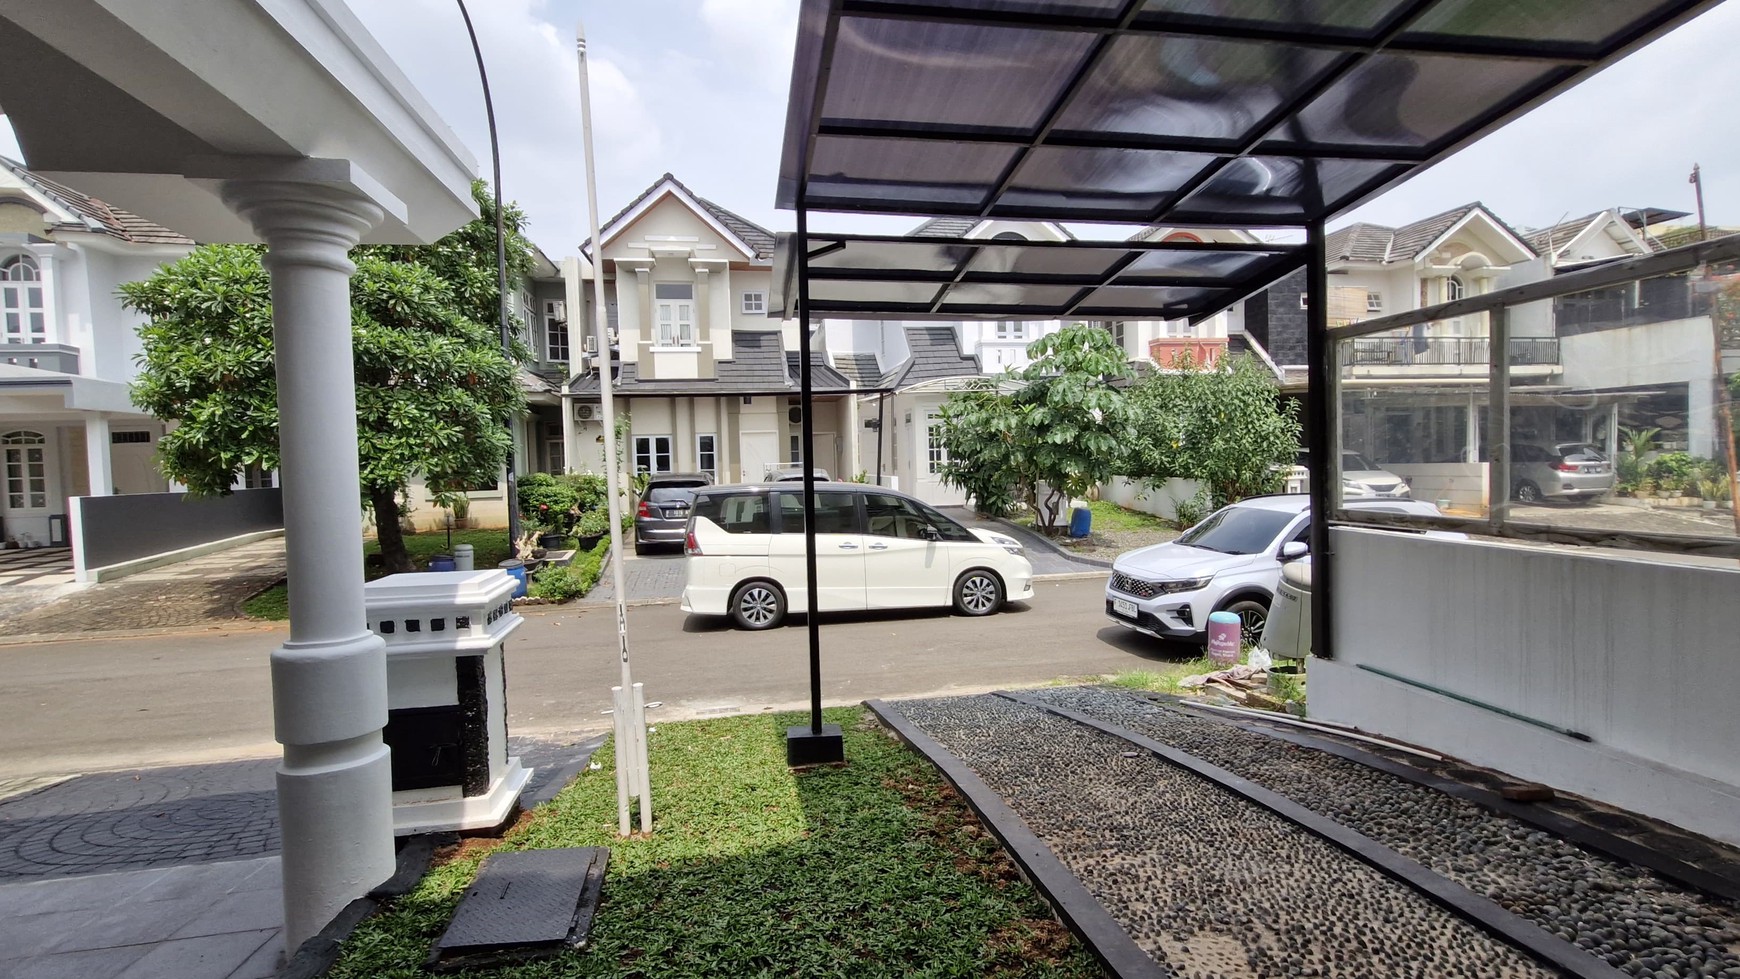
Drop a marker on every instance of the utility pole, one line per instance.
(1697, 182)
(1722, 402)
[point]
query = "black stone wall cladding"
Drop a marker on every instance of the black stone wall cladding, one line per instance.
(1284, 321)
(474, 720)
(125, 528)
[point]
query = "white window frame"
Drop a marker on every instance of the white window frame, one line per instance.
(23, 301)
(796, 447)
(1374, 301)
(556, 346)
(755, 302)
(650, 451)
(1011, 329)
(26, 478)
(936, 454)
(674, 316)
(707, 454)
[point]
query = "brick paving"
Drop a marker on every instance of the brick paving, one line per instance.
(205, 590)
(650, 577)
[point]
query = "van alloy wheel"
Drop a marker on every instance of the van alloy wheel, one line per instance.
(978, 593)
(758, 605)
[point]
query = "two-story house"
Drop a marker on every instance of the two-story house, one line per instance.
(708, 380)
(68, 426)
(1414, 402)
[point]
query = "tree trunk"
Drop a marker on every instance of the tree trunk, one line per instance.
(394, 557)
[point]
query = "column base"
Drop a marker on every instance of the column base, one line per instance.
(445, 811)
(805, 747)
(338, 841)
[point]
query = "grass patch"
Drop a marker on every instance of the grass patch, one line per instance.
(872, 869)
(1165, 679)
(490, 548)
(1110, 516)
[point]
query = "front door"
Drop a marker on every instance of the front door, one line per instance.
(903, 568)
(31, 492)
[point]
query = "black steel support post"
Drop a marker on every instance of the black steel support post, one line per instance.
(1325, 457)
(816, 743)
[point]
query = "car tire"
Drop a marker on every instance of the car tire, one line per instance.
(757, 605)
(978, 592)
(1527, 492)
(639, 548)
(1253, 615)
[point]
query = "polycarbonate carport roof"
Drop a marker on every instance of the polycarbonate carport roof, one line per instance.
(915, 278)
(1230, 113)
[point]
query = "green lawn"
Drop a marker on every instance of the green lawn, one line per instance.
(490, 549)
(875, 868)
(1110, 516)
(1165, 679)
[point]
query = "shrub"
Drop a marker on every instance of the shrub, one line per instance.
(567, 582)
(548, 502)
(1674, 472)
(594, 522)
(1189, 513)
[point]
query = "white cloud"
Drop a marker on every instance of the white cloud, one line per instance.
(758, 35)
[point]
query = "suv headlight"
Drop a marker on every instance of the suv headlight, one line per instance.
(1182, 585)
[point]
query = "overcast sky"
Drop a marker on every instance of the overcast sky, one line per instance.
(698, 88)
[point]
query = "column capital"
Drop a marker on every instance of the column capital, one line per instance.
(303, 223)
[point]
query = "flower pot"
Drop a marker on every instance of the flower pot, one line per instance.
(552, 542)
(589, 541)
(1708, 504)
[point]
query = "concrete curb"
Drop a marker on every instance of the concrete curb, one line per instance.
(239, 625)
(1046, 543)
(1071, 576)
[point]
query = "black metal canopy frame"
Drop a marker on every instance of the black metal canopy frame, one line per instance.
(1152, 113)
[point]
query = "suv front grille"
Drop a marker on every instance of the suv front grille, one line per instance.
(1134, 586)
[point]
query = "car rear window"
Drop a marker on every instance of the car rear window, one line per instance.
(741, 513)
(670, 494)
(1582, 453)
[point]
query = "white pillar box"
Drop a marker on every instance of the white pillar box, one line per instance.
(447, 697)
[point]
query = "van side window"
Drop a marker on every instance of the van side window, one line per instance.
(836, 513)
(891, 516)
(745, 514)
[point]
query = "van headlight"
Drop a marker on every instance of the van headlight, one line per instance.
(1009, 544)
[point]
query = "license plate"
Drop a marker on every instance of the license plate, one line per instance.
(1126, 609)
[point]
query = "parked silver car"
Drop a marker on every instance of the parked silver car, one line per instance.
(663, 510)
(1563, 471)
(1360, 480)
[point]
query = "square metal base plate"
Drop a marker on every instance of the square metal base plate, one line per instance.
(805, 747)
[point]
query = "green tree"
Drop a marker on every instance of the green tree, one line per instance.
(434, 390)
(1044, 434)
(1222, 425)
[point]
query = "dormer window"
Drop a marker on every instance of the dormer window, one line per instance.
(755, 303)
(676, 314)
(1374, 302)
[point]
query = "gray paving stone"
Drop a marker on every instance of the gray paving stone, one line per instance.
(244, 911)
(100, 963)
(265, 963)
(207, 957)
(43, 932)
(645, 578)
(133, 923)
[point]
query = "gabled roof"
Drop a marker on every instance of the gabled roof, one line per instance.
(758, 241)
(758, 365)
(98, 216)
(936, 353)
(1364, 242)
(1554, 240)
(860, 369)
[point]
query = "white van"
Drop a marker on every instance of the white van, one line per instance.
(875, 549)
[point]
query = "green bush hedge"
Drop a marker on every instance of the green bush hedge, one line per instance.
(562, 583)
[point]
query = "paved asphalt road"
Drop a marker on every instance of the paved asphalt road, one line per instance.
(93, 706)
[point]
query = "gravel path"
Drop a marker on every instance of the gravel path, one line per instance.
(1205, 881)
(1630, 918)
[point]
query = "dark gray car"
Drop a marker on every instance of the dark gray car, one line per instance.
(663, 510)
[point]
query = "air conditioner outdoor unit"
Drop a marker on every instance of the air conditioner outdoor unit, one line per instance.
(585, 412)
(559, 309)
(590, 343)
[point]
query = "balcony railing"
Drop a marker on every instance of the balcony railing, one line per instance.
(1450, 351)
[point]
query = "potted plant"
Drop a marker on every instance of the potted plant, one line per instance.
(594, 524)
(461, 510)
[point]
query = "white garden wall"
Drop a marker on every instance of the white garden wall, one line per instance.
(1161, 500)
(1637, 654)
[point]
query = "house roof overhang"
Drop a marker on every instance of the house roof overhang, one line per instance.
(1149, 112)
(165, 110)
(33, 391)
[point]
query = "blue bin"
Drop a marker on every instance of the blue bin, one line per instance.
(1081, 522)
(517, 570)
(443, 562)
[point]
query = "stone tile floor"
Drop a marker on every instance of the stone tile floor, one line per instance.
(199, 592)
(646, 578)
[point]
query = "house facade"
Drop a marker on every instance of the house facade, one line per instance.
(707, 380)
(1414, 402)
(68, 426)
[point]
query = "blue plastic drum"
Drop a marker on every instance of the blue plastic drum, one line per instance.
(517, 569)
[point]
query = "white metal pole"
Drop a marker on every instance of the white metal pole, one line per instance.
(638, 699)
(624, 769)
(608, 401)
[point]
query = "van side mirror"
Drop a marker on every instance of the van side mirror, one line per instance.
(930, 533)
(1293, 550)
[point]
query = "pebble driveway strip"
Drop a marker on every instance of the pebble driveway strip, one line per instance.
(1212, 885)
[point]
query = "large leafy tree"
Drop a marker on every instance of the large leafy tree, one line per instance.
(1044, 434)
(434, 389)
(1222, 425)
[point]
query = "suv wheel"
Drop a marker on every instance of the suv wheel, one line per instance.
(1253, 615)
(978, 593)
(1527, 492)
(758, 605)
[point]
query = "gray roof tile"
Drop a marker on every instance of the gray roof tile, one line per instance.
(936, 353)
(102, 216)
(860, 369)
(759, 365)
(754, 235)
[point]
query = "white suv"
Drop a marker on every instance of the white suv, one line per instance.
(1229, 562)
(875, 549)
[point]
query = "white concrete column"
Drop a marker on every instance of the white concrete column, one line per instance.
(97, 463)
(329, 679)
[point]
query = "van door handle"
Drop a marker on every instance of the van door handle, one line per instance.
(879, 547)
(848, 546)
